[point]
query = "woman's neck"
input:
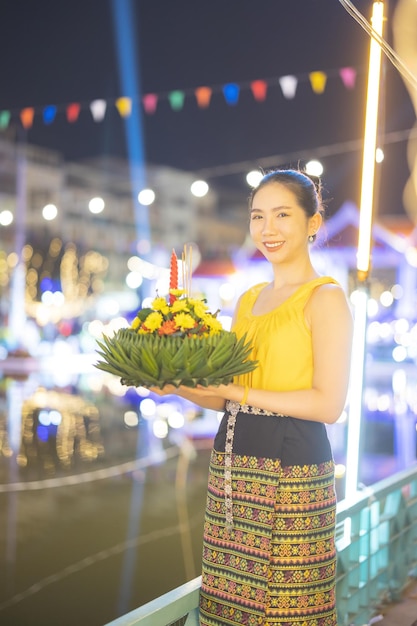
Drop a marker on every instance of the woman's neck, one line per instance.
(293, 274)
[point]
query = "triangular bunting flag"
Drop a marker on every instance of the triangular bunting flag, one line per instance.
(49, 114)
(203, 96)
(4, 119)
(124, 106)
(318, 81)
(26, 117)
(288, 85)
(348, 76)
(259, 89)
(176, 100)
(150, 101)
(231, 93)
(98, 110)
(73, 111)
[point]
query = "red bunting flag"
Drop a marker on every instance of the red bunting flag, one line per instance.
(73, 111)
(259, 89)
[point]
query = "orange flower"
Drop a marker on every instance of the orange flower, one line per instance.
(167, 328)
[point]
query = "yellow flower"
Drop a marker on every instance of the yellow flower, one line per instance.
(184, 321)
(160, 304)
(153, 321)
(212, 323)
(200, 307)
(179, 305)
(177, 292)
(135, 323)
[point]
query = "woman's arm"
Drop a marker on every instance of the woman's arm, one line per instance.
(330, 319)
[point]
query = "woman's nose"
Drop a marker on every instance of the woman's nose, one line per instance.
(267, 226)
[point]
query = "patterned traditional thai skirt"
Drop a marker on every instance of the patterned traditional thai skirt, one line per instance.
(269, 553)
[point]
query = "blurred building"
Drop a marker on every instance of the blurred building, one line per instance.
(32, 177)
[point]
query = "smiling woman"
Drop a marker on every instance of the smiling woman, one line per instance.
(269, 546)
(278, 220)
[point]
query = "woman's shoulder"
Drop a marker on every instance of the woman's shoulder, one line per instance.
(328, 295)
(253, 291)
(249, 296)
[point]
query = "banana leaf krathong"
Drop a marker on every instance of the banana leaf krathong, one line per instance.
(151, 360)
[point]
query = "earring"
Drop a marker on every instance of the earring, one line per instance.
(311, 238)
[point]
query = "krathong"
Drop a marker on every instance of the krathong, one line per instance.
(178, 342)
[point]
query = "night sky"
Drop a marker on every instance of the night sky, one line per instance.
(61, 52)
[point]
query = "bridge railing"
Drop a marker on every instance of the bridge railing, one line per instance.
(376, 539)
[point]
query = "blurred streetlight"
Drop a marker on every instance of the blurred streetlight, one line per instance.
(254, 177)
(314, 168)
(49, 212)
(146, 197)
(96, 205)
(6, 218)
(199, 188)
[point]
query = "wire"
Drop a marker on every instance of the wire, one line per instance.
(395, 59)
(351, 145)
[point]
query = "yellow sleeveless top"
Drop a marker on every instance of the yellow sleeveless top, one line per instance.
(281, 340)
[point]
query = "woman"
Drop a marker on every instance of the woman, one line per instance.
(269, 552)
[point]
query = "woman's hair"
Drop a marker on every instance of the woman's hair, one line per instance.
(306, 188)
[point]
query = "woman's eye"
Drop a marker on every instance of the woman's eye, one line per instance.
(256, 217)
(282, 214)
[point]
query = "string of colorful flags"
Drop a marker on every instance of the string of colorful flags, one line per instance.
(176, 98)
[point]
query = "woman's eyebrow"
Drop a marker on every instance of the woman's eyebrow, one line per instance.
(276, 208)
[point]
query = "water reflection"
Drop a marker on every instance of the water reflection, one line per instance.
(98, 514)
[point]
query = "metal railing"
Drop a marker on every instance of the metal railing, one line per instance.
(376, 539)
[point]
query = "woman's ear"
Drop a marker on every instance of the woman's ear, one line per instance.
(314, 223)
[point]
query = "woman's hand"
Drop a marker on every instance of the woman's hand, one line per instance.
(211, 397)
(166, 390)
(221, 391)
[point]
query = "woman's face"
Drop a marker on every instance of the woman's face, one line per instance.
(280, 227)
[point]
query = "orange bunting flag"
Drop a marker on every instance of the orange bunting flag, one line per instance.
(348, 76)
(288, 85)
(203, 96)
(26, 117)
(4, 119)
(124, 106)
(318, 81)
(73, 111)
(98, 110)
(259, 89)
(176, 100)
(150, 101)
